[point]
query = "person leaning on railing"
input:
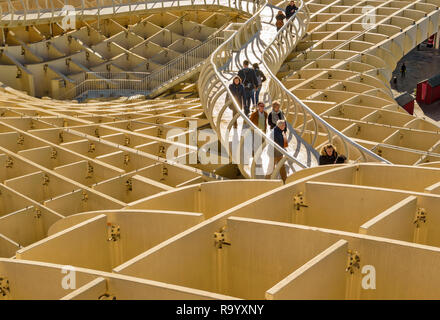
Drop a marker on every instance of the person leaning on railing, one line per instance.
(329, 155)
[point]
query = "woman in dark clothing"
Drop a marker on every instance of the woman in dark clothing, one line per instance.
(237, 90)
(280, 137)
(275, 115)
(330, 156)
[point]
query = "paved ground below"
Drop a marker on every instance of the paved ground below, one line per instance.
(421, 64)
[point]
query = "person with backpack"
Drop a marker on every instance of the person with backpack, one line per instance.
(280, 20)
(250, 83)
(260, 78)
(237, 90)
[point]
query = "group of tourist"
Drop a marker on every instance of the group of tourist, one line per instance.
(246, 87)
(245, 94)
(277, 124)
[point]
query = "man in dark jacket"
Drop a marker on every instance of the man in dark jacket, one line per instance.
(291, 9)
(280, 137)
(238, 92)
(250, 83)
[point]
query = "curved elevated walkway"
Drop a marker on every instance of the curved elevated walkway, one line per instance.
(258, 40)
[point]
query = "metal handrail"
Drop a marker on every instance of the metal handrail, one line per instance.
(146, 82)
(159, 76)
(273, 57)
(53, 6)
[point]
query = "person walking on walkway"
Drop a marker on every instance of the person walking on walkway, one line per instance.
(403, 70)
(237, 90)
(260, 79)
(290, 9)
(279, 23)
(280, 137)
(275, 115)
(279, 20)
(250, 83)
(259, 117)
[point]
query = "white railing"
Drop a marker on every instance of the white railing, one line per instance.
(142, 82)
(213, 85)
(306, 122)
(111, 82)
(50, 9)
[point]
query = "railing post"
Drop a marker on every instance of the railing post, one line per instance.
(99, 15)
(23, 3)
(37, 5)
(11, 10)
(53, 12)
